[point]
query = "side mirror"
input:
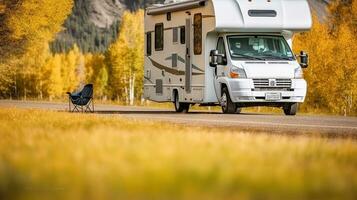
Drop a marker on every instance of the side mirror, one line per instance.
(216, 58)
(304, 59)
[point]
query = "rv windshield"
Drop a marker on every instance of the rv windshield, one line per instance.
(259, 48)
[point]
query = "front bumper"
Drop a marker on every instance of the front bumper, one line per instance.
(244, 91)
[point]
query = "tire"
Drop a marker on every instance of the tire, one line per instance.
(291, 109)
(228, 107)
(180, 107)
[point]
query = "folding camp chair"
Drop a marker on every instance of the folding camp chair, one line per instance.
(83, 100)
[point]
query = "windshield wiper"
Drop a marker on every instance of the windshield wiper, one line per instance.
(275, 57)
(246, 56)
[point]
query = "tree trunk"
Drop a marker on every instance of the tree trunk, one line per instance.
(41, 95)
(126, 90)
(132, 89)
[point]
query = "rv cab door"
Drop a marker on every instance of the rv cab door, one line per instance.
(220, 69)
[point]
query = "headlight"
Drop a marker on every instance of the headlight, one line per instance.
(299, 73)
(237, 72)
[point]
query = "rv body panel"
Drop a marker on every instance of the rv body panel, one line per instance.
(270, 69)
(262, 16)
(186, 74)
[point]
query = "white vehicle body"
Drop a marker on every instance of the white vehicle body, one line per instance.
(180, 36)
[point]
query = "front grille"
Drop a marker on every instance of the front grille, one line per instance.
(267, 89)
(272, 83)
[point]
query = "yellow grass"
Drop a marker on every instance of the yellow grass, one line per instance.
(50, 155)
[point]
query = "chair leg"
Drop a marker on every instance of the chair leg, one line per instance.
(89, 105)
(69, 105)
(88, 109)
(75, 109)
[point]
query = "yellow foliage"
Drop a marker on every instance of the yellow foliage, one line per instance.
(332, 74)
(5, 80)
(73, 70)
(28, 24)
(26, 28)
(125, 58)
(97, 73)
(2, 8)
(51, 76)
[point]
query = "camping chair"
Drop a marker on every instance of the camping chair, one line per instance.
(83, 100)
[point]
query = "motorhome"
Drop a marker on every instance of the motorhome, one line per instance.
(229, 53)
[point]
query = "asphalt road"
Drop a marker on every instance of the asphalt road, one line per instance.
(274, 123)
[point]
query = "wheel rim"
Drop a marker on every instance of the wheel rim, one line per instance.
(224, 101)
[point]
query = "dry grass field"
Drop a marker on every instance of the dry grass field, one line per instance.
(53, 155)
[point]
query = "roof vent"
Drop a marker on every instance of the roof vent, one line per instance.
(262, 13)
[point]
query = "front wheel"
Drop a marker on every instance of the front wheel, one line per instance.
(180, 107)
(228, 107)
(290, 109)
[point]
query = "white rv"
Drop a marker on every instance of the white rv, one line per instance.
(231, 53)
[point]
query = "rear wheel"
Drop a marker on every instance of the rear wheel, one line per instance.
(228, 107)
(290, 109)
(180, 107)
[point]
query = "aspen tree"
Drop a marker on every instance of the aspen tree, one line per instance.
(70, 70)
(53, 80)
(97, 73)
(332, 74)
(125, 57)
(26, 27)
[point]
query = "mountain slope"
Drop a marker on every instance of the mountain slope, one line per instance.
(319, 7)
(93, 24)
(103, 13)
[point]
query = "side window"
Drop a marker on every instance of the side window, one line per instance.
(197, 33)
(222, 50)
(148, 44)
(159, 37)
(182, 35)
